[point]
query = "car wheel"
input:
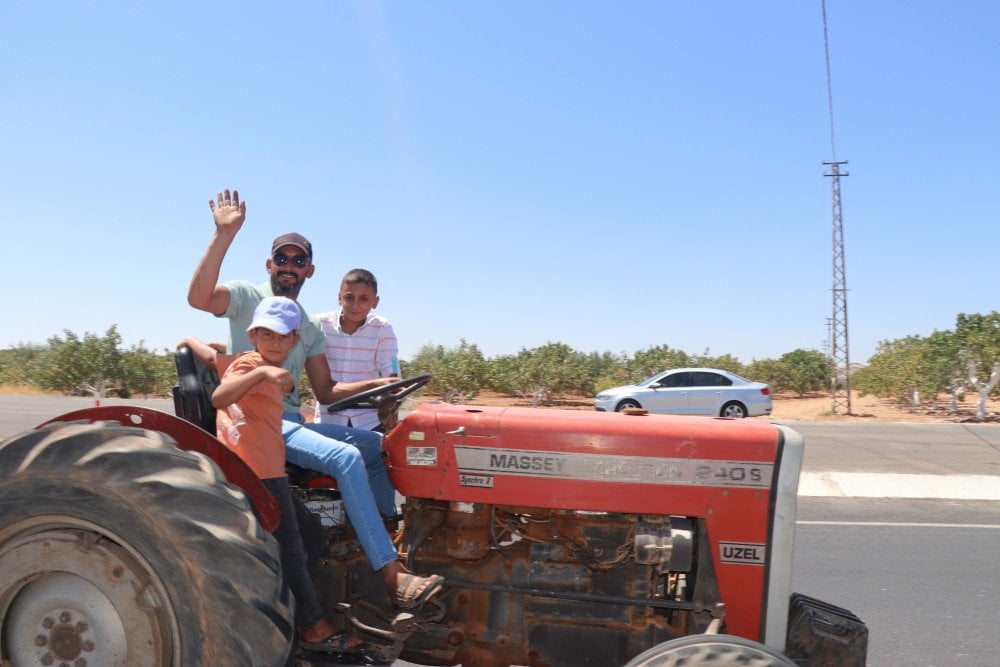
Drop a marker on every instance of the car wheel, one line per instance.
(717, 650)
(627, 403)
(117, 548)
(733, 409)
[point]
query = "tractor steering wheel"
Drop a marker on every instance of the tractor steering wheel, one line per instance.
(380, 397)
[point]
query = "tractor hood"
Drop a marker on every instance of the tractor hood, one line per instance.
(582, 460)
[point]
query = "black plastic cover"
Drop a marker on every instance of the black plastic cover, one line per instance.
(824, 635)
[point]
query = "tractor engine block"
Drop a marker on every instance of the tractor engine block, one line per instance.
(526, 585)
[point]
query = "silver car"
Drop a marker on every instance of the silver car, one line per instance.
(691, 391)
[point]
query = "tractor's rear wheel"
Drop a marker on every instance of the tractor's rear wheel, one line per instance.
(118, 548)
(715, 650)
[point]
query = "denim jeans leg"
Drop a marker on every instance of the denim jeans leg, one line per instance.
(293, 556)
(370, 445)
(308, 449)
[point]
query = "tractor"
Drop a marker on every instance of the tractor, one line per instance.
(130, 536)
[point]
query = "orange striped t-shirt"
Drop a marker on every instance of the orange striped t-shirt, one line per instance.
(251, 427)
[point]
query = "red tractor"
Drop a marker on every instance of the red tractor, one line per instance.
(133, 537)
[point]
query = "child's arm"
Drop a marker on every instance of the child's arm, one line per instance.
(235, 386)
(205, 353)
(387, 354)
(328, 390)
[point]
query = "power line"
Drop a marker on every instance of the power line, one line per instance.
(829, 84)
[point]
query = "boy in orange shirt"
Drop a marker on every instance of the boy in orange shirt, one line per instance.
(250, 403)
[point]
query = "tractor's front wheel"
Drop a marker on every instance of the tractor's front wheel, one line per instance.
(714, 650)
(118, 548)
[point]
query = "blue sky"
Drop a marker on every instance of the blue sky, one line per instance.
(608, 175)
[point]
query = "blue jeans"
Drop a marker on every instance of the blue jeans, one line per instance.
(350, 456)
(314, 453)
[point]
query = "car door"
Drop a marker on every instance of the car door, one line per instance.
(670, 397)
(707, 392)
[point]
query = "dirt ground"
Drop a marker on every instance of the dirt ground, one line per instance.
(789, 407)
(871, 408)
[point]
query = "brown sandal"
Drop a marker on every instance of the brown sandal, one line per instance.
(409, 594)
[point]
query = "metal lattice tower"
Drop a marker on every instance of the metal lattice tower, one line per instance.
(840, 357)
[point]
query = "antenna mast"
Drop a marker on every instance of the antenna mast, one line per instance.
(840, 357)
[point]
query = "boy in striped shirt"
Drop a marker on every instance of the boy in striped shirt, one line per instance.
(360, 345)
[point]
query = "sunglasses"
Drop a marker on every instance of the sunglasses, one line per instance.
(280, 259)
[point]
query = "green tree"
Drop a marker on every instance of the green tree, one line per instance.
(894, 371)
(656, 359)
(146, 372)
(542, 372)
(611, 371)
(18, 364)
(805, 371)
(726, 362)
(602, 365)
(942, 367)
(502, 374)
(459, 372)
(979, 350)
(770, 371)
(89, 365)
(429, 359)
(305, 388)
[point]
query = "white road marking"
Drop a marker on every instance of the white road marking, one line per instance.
(899, 524)
(899, 485)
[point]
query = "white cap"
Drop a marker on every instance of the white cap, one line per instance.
(278, 314)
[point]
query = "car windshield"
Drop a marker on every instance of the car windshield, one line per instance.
(651, 378)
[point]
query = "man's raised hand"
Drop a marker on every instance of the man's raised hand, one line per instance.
(228, 211)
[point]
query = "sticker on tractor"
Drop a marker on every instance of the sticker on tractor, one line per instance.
(483, 481)
(612, 468)
(417, 435)
(742, 552)
(330, 512)
(421, 456)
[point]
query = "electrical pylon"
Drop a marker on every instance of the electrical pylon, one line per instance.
(840, 356)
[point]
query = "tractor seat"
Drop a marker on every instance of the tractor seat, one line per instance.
(193, 391)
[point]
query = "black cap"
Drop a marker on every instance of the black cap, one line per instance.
(294, 239)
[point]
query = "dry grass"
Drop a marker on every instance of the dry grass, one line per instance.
(24, 390)
(818, 407)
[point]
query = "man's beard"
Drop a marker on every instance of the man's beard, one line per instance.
(280, 289)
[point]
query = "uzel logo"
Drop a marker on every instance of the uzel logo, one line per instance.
(741, 552)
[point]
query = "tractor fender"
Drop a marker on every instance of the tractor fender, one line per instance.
(188, 437)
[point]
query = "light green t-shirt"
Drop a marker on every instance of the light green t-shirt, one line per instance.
(243, 299)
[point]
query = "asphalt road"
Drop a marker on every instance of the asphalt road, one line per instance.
(922, 573)
(19, 413)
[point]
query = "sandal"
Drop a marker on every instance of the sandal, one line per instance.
(410, 596)
(338, 642)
